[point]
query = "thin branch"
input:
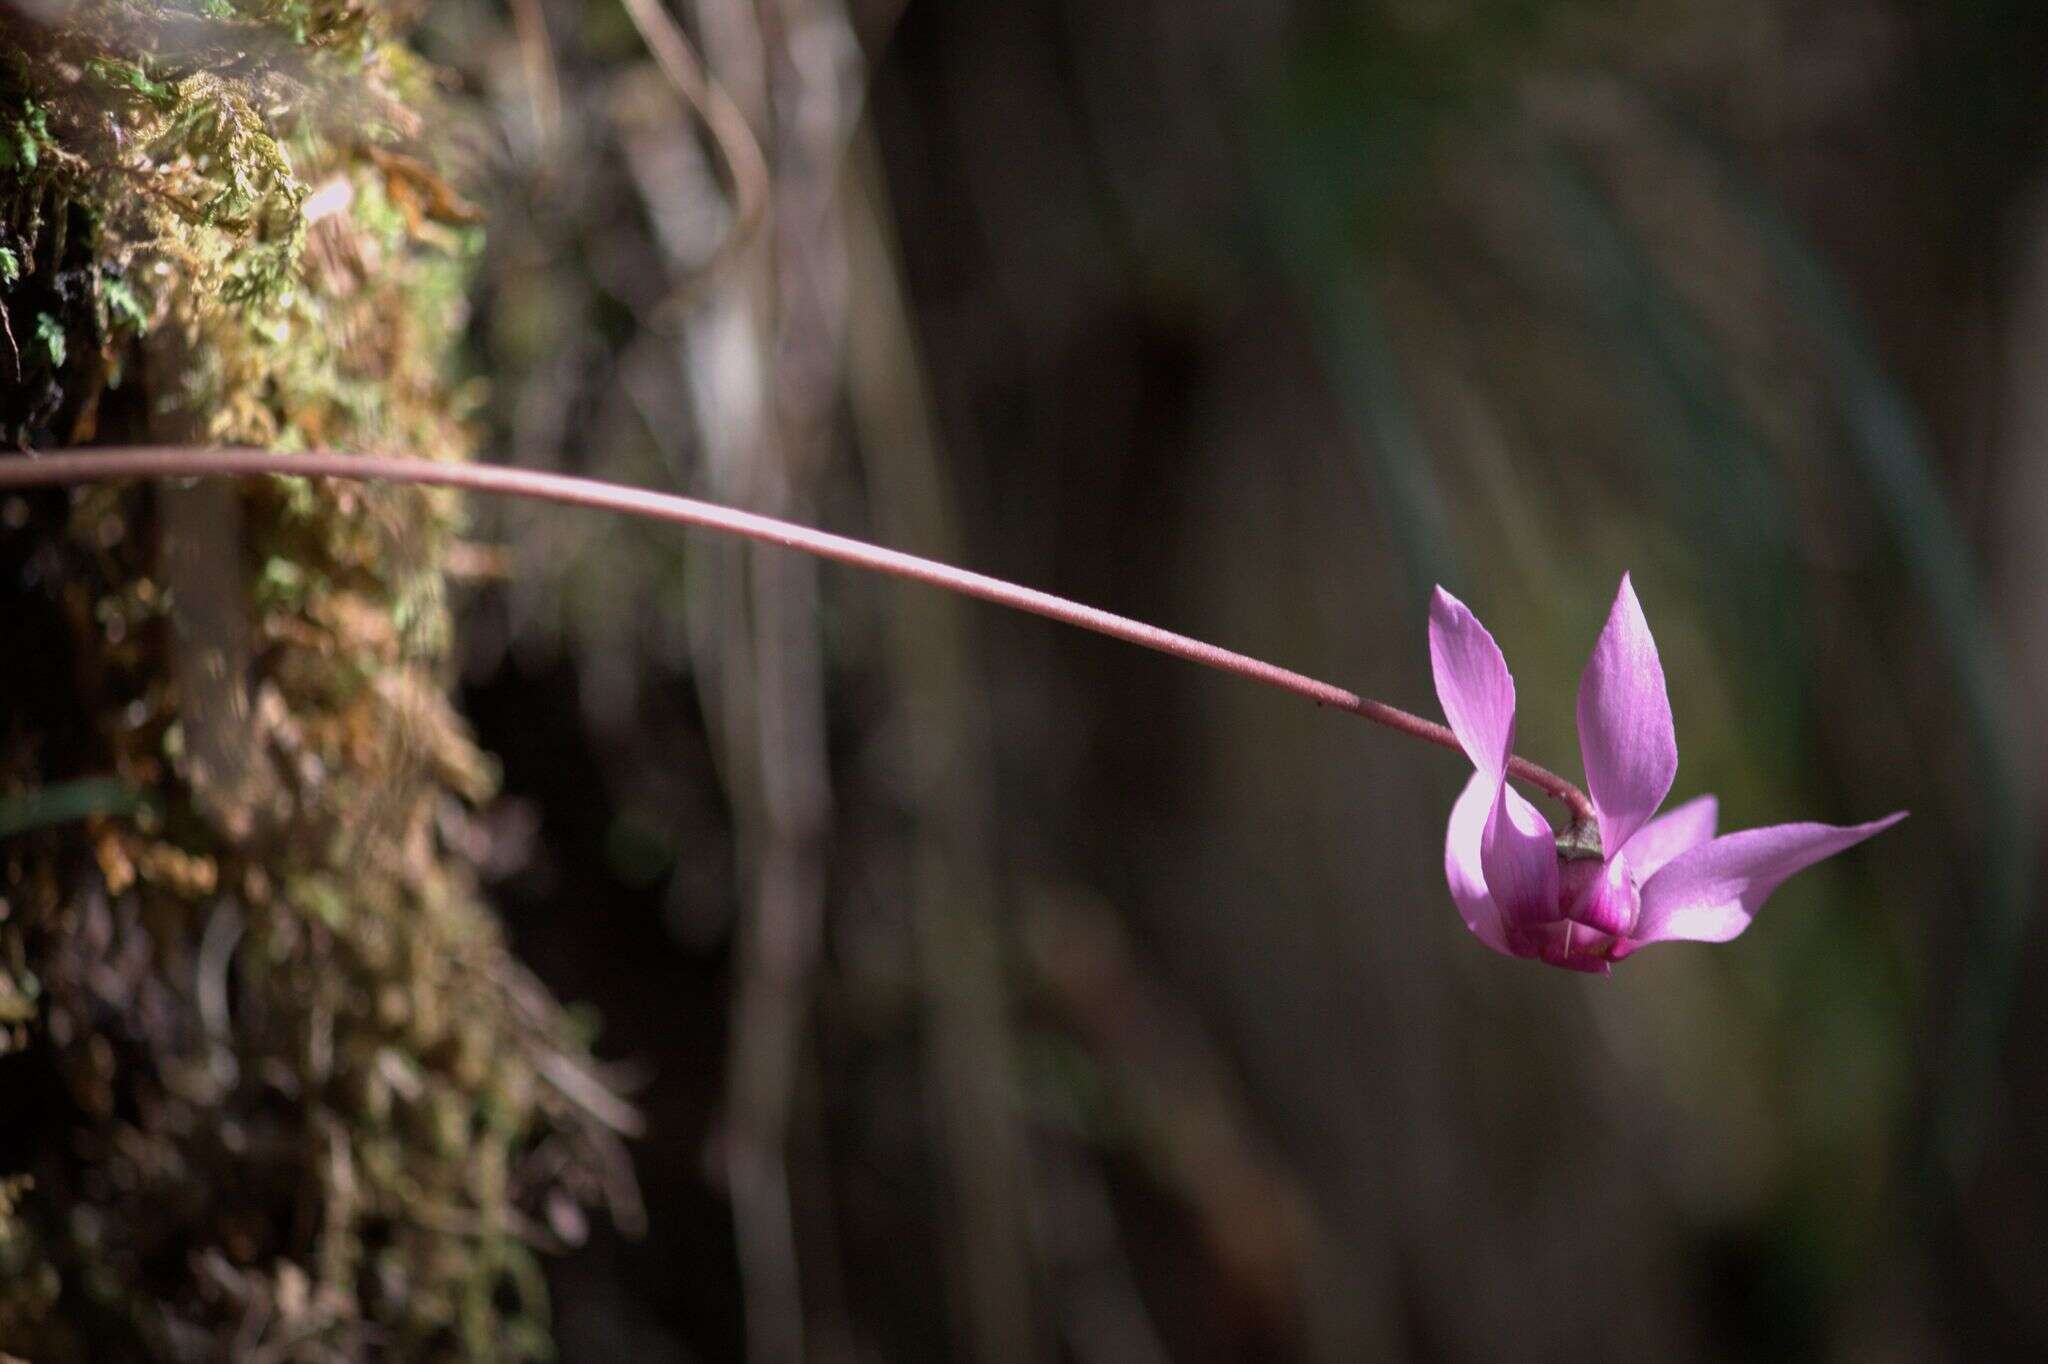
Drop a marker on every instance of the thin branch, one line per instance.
(13, 346)
(737, 145)
(543, 79)
(102, 464)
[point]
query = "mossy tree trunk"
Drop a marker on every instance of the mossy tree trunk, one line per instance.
(273, 1086)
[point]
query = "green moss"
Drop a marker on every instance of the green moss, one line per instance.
(314, 1093)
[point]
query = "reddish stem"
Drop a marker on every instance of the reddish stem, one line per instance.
(113, 462)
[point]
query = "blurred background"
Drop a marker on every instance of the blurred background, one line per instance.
(999, 992)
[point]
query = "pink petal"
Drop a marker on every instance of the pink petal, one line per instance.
(1461, 861)
(1710, 893)
(1472, 683)
(1518, 853)
(1625, 730)
(1565, 944)
(1602, 895)
(1671, 833)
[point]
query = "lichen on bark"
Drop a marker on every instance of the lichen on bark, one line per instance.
(275, 1086)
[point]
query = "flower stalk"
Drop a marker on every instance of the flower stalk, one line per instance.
(109, 463)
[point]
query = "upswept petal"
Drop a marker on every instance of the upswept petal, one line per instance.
(1462, 865)
(1712, 892)
(1625, 733)
(1518, 854)
(1677, 830)
(1472, 683)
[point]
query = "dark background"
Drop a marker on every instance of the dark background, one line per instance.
(1002, 992)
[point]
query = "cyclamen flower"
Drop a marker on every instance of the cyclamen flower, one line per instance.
(1598, 892)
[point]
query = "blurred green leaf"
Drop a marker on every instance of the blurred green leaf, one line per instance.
(1721, 486)
(1344, 138)
(1884, 440)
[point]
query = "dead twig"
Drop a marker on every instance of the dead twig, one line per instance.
(13, 346)
(543, 83)
(737, 145)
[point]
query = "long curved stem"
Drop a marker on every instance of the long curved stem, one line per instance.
(116, 462)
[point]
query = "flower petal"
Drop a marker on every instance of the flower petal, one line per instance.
(1462, 866)
(1712, 892)
(1601, 896)
(1565, 944)
(1518, 853)
(1472, 683)
(1625, 732)
(1671, 833)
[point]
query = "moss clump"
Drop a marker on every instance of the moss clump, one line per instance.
(275, 1084)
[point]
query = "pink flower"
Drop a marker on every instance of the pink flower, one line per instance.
(1597, 892)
